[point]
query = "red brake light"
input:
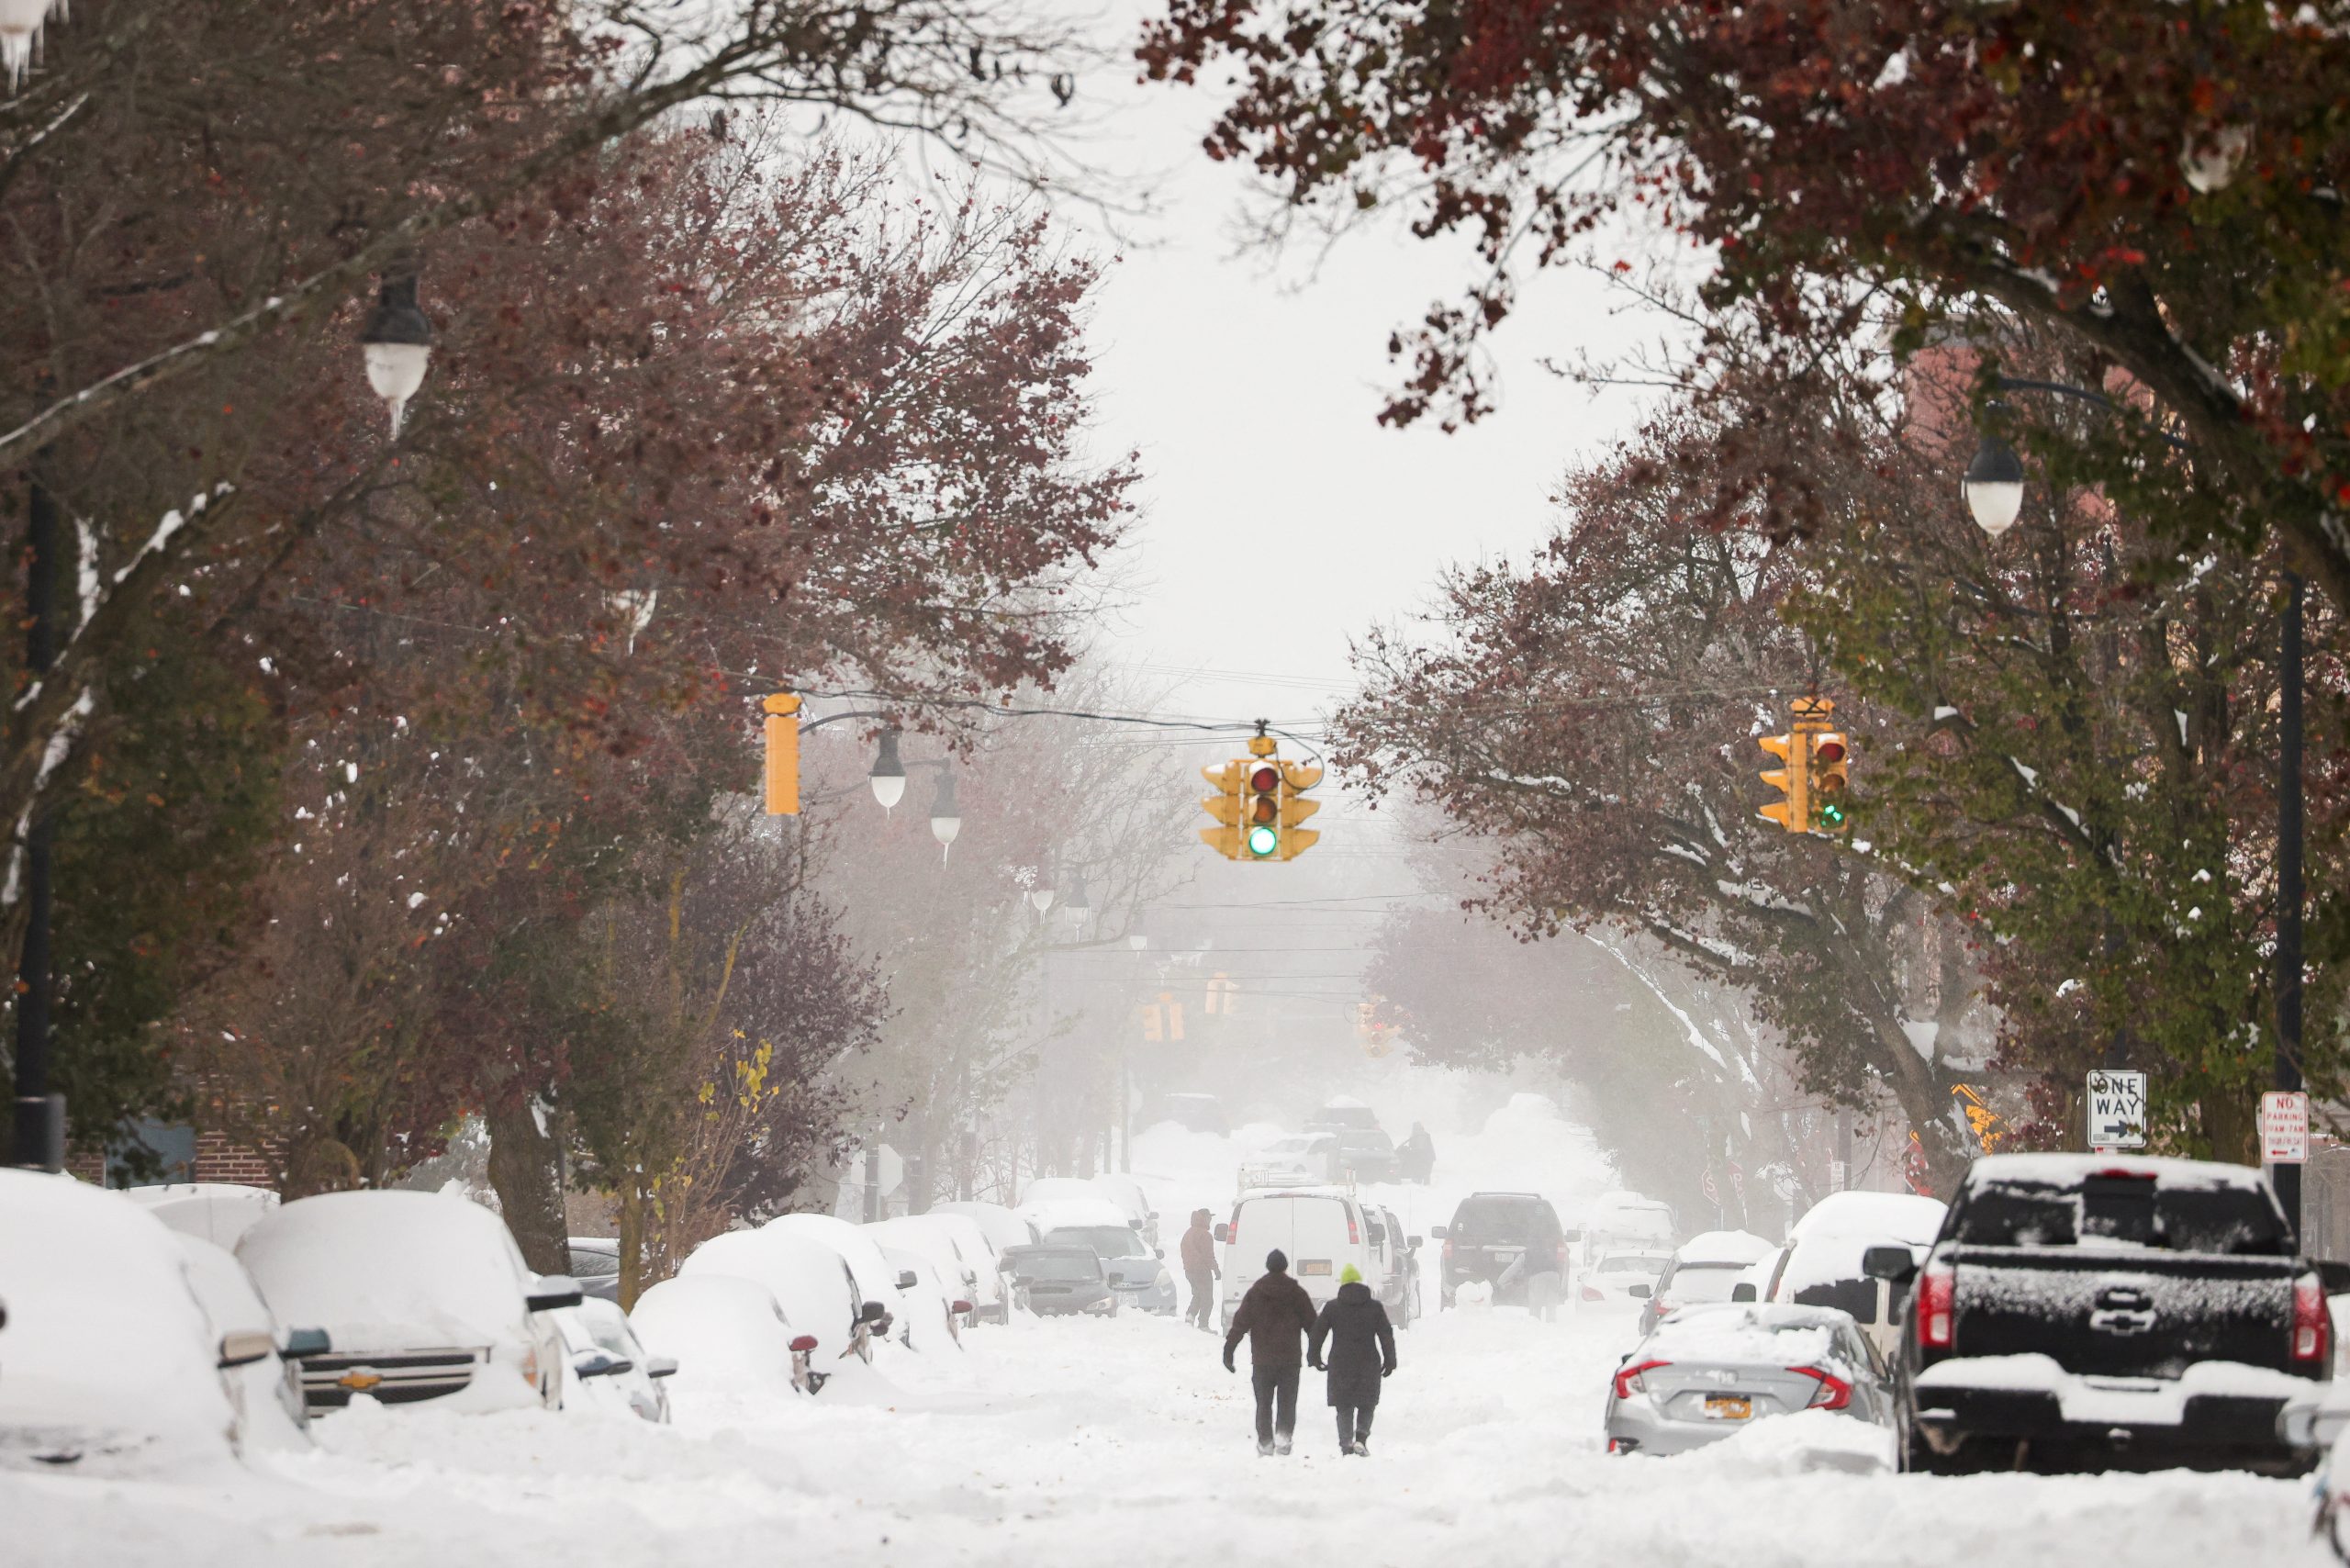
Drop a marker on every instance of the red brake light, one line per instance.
(2312, 1327)
(1354, 1236)
(803, 1344)
(1590, 1292)
(1628, 1378)
(1833, 1392)
(1937, 1304)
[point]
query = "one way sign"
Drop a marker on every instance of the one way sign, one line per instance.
(2117, 1110)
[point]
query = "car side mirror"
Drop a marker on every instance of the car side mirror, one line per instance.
(1223, 1231)
(1638, 1292)
(962, 1306)
(552, 1291)
(1743, 1291)
(244, 1347)
(873, 1312)
(802, 1343)
(661, 1366)
(600, 1364)
(301, 1342)
(2333, 1278)
(1439, 1232)
(1158, 1252)
(906, 1279)
(1412, 1241)
(1894, 1263)
(1572, 1233)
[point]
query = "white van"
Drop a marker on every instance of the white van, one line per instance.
(1322, 1229)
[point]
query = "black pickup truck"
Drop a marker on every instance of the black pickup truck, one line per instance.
(2101, 1312)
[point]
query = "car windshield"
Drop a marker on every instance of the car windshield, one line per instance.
(1061, 1266)
(2131, 1210)
(1632, 1263)
(1106, 1240)
(1703, 1282)
(1501, 1219)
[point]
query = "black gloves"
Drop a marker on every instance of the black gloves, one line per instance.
(1316, 1362)
(1387, 1371)
(1227, 1360)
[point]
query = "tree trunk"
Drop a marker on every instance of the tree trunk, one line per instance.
(631, 1240)
(526, 1172)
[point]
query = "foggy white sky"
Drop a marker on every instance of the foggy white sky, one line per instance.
(1279, 517)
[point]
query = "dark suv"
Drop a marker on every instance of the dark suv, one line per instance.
(1498, 1237)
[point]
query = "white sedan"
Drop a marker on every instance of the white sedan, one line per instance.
(1620, 1280)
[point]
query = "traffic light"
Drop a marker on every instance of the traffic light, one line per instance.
(782, 768)
(1826, 774)
(1792, 813)
(1259, 805)
(1226, 807)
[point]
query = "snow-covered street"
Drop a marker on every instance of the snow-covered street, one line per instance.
(1125, 1441)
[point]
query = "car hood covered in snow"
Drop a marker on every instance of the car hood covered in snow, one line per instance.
(390, 1270)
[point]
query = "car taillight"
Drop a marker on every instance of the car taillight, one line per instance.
(1590, 1292)
(1560, 1253)
(1627, 1380)
(2312, 1329)
(1448, 1252)
(1354, 1236)
(1662, 1306)
(1833, 1392)
(1937, 1303)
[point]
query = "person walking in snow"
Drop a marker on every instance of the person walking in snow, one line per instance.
(1275, 1313)
(1362, 1352)
(1415, 1156)
(1198, 1253)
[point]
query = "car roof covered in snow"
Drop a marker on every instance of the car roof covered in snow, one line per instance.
(2067, 1169)
(1062, 1213)
(808, 1280)
(875, 1278)
(722, 1328)
(1897, 1217)
(219, 1212)
(1722, 1248)
(105, 1336)
(390, 1269)
(1746, 1331)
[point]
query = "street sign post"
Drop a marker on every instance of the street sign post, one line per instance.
(2284, 1127)
(2117, 1110)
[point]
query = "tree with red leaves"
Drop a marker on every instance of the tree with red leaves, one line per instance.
(2162, 183)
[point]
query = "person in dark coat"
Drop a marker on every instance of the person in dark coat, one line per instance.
(1415, 1156)
(1362, 1351)
(1200, 1268)
(1275, 1313)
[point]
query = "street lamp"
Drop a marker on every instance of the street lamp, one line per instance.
(1077, 903)
(1041, 895)
(889, 774)
(20, 25)
(946, 816)
(397, 341)
(1994, 486)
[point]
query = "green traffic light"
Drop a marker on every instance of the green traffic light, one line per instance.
(1263, 841)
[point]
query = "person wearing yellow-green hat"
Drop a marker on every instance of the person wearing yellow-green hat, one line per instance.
(1362, 1352)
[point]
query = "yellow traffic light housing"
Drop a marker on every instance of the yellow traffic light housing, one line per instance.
(1826, 773)
(1793, 812)
(1259, 805)
(781, 771)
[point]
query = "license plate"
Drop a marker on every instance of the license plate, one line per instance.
(1729, 1408)
(1314, 1266)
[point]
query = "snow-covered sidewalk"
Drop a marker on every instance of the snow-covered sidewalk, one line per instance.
(1124, 1442)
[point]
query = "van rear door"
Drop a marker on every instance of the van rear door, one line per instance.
(1259, 1226)
(1330, 1236)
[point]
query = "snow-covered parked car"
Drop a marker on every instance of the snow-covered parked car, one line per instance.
(611, 1368)
(1059, 1190)
(219, 1212)
(267, 1389)
(1708, 1372)
(1135, 1269)
(877, 1281)
(1821, 1265)
(1704, 1268)
(956, 1247)
(931, 1299)
(1295, 1160)
(810, 1283)
(1625, 1278)
(423, 1296)
(729, 1335)
(1126, 1192)
(108, 1354)
(1004, 1229)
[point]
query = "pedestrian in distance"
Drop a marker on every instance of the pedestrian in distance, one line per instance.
(1200, 1269)
(1415, 1156)
(1361, 1353)
(1276, 1314)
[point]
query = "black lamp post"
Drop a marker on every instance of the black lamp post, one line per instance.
(37, 1127)
(1994, 492)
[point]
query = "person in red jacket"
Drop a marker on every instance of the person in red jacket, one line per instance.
(1198, 1253)
(1276, 1314)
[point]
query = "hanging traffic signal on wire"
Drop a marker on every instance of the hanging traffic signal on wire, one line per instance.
(1259, 805)
(1824, 777)
(1792, 813)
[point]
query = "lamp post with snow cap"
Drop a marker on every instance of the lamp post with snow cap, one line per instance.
(1994, 491)
(397, 341)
